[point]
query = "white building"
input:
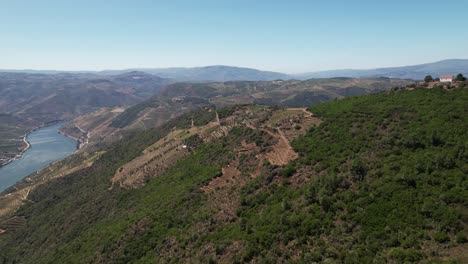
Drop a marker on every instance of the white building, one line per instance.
(446, 78)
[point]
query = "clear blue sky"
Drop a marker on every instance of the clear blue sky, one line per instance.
(289, 36)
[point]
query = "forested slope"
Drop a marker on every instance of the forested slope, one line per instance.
(383, 178)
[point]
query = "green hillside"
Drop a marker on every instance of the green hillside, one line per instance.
(382, 179)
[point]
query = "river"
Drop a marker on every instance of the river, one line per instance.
(47, 146)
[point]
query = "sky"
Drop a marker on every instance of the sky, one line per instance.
(289, 36)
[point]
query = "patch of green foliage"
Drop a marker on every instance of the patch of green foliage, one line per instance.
(227, 111)
(460, 78)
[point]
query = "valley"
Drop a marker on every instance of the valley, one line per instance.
(30, 101)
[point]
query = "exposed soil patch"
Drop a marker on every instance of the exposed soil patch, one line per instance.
(282, 152)
(229, 175)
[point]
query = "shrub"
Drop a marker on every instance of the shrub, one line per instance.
(460, 78)
(405, 255)
(428, 78)
(441, 237)
(358, 170)
(461, 238)
(289, 170)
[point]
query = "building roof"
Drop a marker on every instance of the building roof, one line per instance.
(446, 77)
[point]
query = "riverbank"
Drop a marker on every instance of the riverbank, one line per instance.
(20, 154)
(81, 140)
(28, 145)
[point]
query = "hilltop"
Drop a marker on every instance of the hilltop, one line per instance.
(357, 180)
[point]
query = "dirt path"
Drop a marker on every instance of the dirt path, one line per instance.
(217, 118)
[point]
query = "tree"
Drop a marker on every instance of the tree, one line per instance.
(358, 170)
(428, 78)
(460, 78)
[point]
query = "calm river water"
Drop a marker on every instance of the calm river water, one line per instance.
(47, 146)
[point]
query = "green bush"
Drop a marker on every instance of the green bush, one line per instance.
(289, 170)
(461, 238)
(441, 237)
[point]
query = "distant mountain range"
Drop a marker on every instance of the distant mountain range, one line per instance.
(220, 73)
(416, 72)
(48, 97)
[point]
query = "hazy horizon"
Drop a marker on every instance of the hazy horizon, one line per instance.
(197, 66)
(293, 37)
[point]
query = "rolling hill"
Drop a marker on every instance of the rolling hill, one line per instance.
(111, 124)
(282, 93)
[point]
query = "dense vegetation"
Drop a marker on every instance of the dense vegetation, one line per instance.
(382, 179)
(389, 182)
